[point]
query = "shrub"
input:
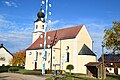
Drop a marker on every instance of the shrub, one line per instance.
(70, 67)
(4, 68)
(13, 69)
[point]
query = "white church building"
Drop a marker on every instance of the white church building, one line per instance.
(65, 46)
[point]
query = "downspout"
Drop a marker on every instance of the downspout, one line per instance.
(60, 54)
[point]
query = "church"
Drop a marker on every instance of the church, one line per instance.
(65, 46)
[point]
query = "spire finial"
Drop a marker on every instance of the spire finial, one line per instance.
(40, 6)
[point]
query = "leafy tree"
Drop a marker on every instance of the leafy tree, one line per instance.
(70, 67)
(19, 58)
(112, 37)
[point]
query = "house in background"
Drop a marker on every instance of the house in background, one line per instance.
(112, 62)
(65, 46)
(5, 56)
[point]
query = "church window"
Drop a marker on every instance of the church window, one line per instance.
(36, 55)
(36, 26)
(40, 53)
(45, 55)
(48, 61)
(67, 48)
(30, 53)
(48, 54)
(68, 55)
(42, 26)
(53, 57)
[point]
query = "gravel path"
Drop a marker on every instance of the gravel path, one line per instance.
(15, 76)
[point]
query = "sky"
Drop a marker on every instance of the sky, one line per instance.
(17, 19)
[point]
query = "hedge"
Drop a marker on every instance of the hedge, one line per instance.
(5, 68)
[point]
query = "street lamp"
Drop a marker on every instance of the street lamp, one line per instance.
(103, 45)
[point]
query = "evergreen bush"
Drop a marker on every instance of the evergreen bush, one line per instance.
(13, 69)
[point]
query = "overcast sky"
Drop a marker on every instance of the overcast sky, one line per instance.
(17, 19)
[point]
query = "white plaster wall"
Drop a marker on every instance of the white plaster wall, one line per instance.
(39, 23)
(111, 70)
(82, 60)
(119, 71)
(8, 57)
(30, 59)
(37, 32)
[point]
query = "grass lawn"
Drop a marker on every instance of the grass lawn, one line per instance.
(29, 72)
(68, 78)
(80, 76)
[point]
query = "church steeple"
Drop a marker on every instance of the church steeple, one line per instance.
(39, 24)
(40, 15)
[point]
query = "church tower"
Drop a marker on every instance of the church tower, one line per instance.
(39, 27)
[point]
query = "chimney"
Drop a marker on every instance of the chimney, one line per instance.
(1, 45)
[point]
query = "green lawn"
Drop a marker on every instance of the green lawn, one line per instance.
(29, 72)
(80, 76)
(68, 78)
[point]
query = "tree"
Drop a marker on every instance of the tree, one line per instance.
(19, 58)
(70, 67)
(112, 37)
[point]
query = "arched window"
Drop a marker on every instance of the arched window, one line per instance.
(36, 55)
(42, 26)
(36, 26)
(68, 55)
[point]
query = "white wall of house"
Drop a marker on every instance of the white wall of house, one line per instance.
(7, 57)
(119, 71)
(110, 69)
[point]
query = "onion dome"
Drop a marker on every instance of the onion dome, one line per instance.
(41, 14)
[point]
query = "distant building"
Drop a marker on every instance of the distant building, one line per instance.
(113, 63)
(64, 46)
(5, 56)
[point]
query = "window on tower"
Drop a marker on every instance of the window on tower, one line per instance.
(36, 26)
(42, 26)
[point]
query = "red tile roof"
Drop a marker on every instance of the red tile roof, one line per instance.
(55, 36)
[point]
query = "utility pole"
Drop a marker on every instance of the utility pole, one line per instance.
(103, 45)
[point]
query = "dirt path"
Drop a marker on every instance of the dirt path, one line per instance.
(14, 76)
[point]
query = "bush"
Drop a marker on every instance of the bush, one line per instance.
(4, 68)
(13, 69)
(70, 67)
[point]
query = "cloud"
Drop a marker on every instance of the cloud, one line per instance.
(58, 24)
(97, 32)
(54, 22)
(10, 3)
(14, 36)
(5, 24)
